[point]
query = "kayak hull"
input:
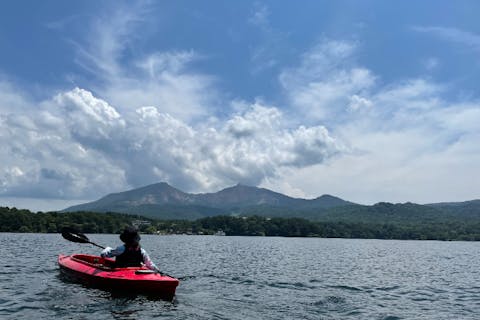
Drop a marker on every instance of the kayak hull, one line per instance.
(98, 272)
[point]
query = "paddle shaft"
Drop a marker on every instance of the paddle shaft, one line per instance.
(97, 245)
(80, 238)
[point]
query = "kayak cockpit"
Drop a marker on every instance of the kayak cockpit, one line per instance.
(94, 261)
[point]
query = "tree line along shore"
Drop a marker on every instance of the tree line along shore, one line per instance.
(20, 220)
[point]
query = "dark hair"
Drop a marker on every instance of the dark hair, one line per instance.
(130, 235)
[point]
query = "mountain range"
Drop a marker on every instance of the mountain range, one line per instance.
(162, 201)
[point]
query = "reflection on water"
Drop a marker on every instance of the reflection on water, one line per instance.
(253, 278)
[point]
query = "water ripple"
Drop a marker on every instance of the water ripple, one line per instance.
(254, 278)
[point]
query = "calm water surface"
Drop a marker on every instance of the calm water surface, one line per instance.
(253, 278)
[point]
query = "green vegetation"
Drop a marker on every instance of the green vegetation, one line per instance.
(443, 228)
(297, 227)
(14, 220)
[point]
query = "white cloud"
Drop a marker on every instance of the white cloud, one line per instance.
(268, 42)
(322, 86)
(247, 148)
(172, 62)
(130, 80)
(454, 35)
(78, 146)
(359, 103)
(88, 116)
(260, 16)
(418, 164)
(11, 98)
(42, 153)
(108, 37)
(408, 142)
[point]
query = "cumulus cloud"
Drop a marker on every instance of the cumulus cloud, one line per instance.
(78, 146)
(89, 117)
(43, 154)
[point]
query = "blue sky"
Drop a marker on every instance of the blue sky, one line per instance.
(370, 101)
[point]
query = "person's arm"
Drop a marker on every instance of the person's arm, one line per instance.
(110, 252)
(148, 262)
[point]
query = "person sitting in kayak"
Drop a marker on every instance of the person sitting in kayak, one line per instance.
(130, 254)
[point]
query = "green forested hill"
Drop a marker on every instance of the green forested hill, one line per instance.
(385, 212)
(466, 209)
(378, 223)
(243, 210)
(382, 212)
(14, 220)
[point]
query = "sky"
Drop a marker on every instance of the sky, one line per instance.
(369, 101)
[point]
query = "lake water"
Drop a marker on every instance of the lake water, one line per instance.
(253, 278)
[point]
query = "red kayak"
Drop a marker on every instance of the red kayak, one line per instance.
(100, 272)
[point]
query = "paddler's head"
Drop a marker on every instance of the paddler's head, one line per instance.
(130, 236)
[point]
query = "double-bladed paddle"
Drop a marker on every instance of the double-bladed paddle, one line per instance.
(74, 236)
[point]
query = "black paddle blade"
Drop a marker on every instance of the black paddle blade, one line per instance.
(72, 235)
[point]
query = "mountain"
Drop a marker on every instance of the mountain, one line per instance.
(161, 200)
(156, 200)
(327, 201)
(241, 196)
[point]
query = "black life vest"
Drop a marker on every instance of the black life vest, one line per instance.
(131, 257)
